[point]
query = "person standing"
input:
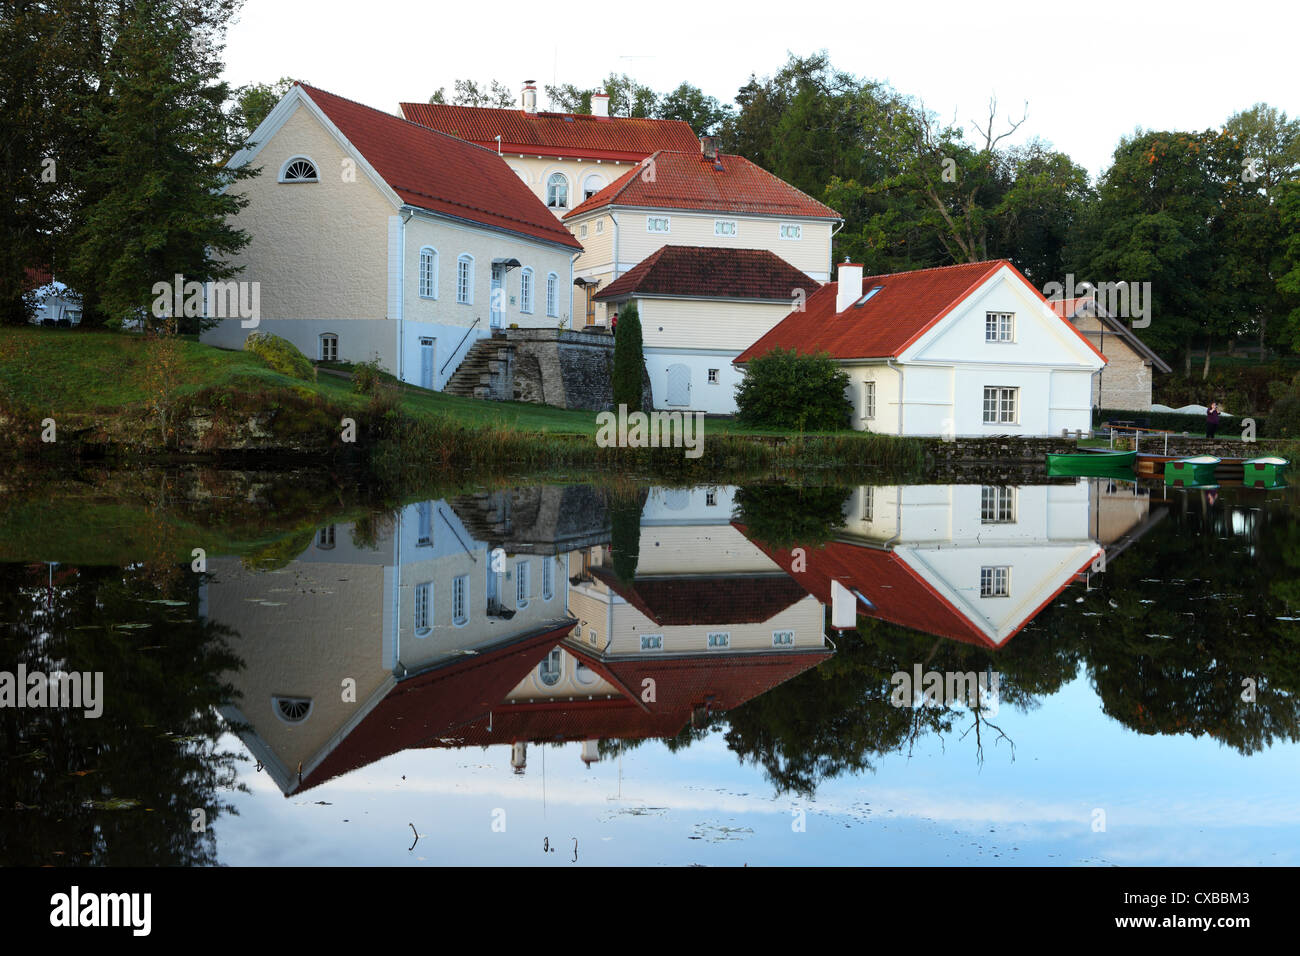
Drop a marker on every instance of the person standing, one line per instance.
(1211, 419)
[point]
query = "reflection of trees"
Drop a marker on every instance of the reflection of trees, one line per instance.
(118, 789)
(785, 516)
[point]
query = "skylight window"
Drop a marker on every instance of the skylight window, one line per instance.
(870, 292)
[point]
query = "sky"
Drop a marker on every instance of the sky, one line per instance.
(1090, 73)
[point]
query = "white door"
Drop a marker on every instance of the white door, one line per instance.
(679, 385)
(497, 295)
(426, 362)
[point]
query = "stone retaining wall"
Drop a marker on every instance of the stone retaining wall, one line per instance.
(564, 369)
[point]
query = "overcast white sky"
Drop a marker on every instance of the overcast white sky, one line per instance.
(1091, 73)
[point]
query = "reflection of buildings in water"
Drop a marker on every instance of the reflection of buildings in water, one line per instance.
(973, 563)
(446, 650)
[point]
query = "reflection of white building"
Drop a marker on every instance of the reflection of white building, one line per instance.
(974, 563)
(424, 609)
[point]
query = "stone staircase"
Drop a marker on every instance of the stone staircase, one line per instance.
(484, 372)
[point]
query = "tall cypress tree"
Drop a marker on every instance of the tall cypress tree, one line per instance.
(629, 359)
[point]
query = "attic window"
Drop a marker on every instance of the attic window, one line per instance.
(870, 292)
(299, 169)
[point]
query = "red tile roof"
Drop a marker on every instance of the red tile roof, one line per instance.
(569, 135)
(712, 273)
(441, 173)
(683, 180)
(35, 278)
(907, 306)
(717, 599)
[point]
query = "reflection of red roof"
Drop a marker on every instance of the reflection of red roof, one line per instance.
(570, 135)
(683, 180)
(907, 306)
(433, 703)
(35, 278)
(716, 599)
(898, 594)
(713, 273)
(441, 173)
(681, 684)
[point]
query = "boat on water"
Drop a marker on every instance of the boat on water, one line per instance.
(1085, 463)
(1265, 472)
(1197, 470)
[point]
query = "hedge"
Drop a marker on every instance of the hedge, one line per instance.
(1175, 421)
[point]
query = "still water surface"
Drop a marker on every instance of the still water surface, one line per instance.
(656, 675)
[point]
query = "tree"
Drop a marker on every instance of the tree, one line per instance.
(468, 93)
(788, 390)
(704, 114)
(254, 101)
(629, 359)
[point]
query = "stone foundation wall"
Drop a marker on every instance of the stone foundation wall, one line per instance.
(564, 369)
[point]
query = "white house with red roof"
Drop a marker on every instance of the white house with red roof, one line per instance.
(970, 350)
(373, 236)
(564, 158)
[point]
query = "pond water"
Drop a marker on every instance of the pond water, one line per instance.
(569, 674)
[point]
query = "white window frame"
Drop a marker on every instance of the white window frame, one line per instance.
(558, 670)
(460, 600)
(723, 639)
(299, 159)
(552, 295)
(551, 184)
(869, 400)
(333, 339)
(548, 578)
(725, 228)
(713, 377)
(325, 538)
(779, 638)
(652, 642)
(423, 609)
(582, 231)
(526, 290)
(995, 581)
(999, 404)
(1000, 328)
(600, 226)
(997, 504)
(424, 523)
(791, 230)
(652, 224)
(465, 279)
(587, 192)
(523, 584)
(428, 273)
(868, 503)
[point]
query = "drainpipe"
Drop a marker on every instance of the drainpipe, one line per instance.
(401, 294)
(572, 261)
(890, 362)
(614, 216)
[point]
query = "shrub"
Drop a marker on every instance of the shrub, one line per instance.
(785, 389)
(1284, 419)
(629, 359)
(365, 377)
(1178, 422)
(280, 354)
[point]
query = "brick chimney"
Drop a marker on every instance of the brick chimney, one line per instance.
(709, 148)
(849, 288)
(599, 104)
(529, 97)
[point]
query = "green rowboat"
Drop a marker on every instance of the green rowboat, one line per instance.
(1105, 464)
(1263, 472)
(1198, 470)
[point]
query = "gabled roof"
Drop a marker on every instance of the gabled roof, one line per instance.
(441, 173)
(706, 599)
(1087, 305)
(568, 135)
(707, 272)
(685, 181)
(907, 306)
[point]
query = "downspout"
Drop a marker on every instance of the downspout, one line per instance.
(572, 262)
(401, 295)
(890, 362)
(614, 216)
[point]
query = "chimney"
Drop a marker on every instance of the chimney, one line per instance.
(599, 104)
(849, 289)
(519, 755)
(590, 752)
(709, 148)
(530, 96)
(844, 605)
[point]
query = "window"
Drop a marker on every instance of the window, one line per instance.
(997, 505)
(600, 226)
(557, 191)
(548, 578)
(424, 520)
(713, 376)
(552, 294)
(783, 638)
(526, 290)
(582, 231)
(710, 499)
(868, 399)
(791, 230)
(656, 223)
(724, 227)
(329, 347)
(465, 280)
(428, 273)
(523, 587)
(999, 405)
(325, 538)
(717, 639)
(292, 710)
(652, 642)
(584, 674)
(552, 667)
(592, 185)
(995, 582)
(423, 609)
(299, 169)
(999, 326)
(868, 504)
(460, 600)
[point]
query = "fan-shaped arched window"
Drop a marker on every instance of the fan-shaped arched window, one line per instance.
(592, 185)
(551, 668)
(557, 191)
(299, 169)
(292, 710)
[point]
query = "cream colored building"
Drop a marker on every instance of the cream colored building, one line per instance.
(1125, 382)
(376, 237)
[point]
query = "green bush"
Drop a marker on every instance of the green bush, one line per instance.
(784, 389)
(280, 354)
(365, 377)
(629, 359)
(1284, 419)
(1178, 422)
